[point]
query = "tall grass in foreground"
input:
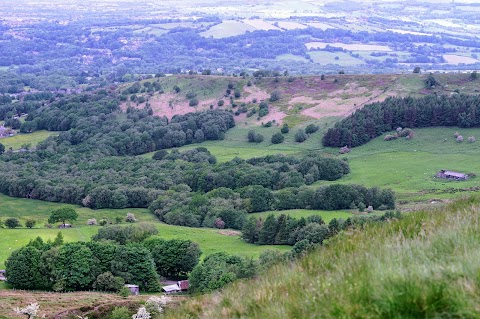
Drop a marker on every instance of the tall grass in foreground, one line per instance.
(426, 265)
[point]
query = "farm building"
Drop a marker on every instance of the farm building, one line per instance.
(452, 175)
(134, 289)
(178, 287)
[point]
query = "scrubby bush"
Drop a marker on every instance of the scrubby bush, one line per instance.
(130, 218)
(390, 137)
(219, 223)
(361, 207)
(120, 313)
(124, 292)
(277, 138)
(344, 150)
(405, 132)
(108, 282)
(254, 137)
(159, 155)
(311, 128)
(285, 129)
(193, 102)
(275, 96)
(221, 103)
(300, 136)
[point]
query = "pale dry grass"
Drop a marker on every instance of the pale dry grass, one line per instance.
(457, 59)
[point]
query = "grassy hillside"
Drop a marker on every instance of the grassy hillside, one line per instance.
(406, 166)
(210, 240)
(425, 265)
(303, 99)
(409, 166)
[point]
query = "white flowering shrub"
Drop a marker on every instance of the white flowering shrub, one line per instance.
(130, 218)
(92, 221)
(31, 311)
(142, 313)
(156, 305)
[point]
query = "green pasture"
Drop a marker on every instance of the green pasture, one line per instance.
(235, 144)
(409, 166)
(24, 209)
(210, 240)
(228, 28)
(16, 142)
(325, 57)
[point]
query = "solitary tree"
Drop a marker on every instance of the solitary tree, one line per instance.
(30, 223)
(2, 148)
(12, 223)
(62, 215)
(277, 138)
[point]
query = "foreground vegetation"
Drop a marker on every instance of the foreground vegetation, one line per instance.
(422, 266)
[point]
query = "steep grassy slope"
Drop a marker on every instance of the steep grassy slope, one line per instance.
(426, 265)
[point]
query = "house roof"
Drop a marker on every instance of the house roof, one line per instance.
(171, 288)
(131, 286)
(183, 284)
(454, 174)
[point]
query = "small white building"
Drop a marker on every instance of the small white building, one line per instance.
(134, 289)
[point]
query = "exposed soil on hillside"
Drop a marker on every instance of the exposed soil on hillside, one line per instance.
(335, 95)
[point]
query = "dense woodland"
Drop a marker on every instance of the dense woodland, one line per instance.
(375, 119)
(91, 163)
(226, 208)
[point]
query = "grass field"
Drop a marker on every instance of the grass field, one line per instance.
(227, 28)
(324, 57)
(16, 142)
(24, 209)
(409, 166)
(327, 216)
(235, 144)
(291, 57)
(210, 240)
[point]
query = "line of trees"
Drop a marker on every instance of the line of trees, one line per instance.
(285, 230)
(96, 181)
(377, 118)
(227, 208)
